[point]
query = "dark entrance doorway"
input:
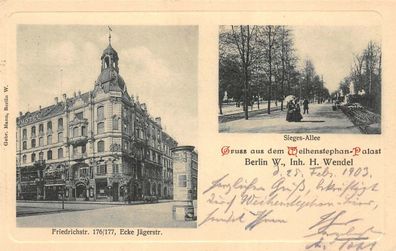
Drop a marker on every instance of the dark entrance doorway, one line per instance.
(115, 191)
(81, 191)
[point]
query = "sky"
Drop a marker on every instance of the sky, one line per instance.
(158, 63)
(332, 48)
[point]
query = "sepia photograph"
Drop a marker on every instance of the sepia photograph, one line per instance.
(299, 79)
(107, 126)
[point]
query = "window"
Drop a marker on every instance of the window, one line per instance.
(41, 156)
(75, 150)
(100, 127)
(75, 131)
(33, 131)
(24, 159)
(115, 168)
(60, 137)
(24, 145)
(33, 142)
(100, 113)
(41, 141)
(84, 172)
(49, 127)
(49, 155)
(49, 139)
(107, 61)
(24, 134)
(83, 131)
(101, 146)
(80, 115)
(41, 129)
(115, 123)
(101, 169)
(60, 124)
(60, 153)
(182, 180)
(33, 157)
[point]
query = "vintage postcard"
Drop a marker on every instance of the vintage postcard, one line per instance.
(203, 126)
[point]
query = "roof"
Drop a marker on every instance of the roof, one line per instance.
(110, 80)
(109, 51)
(44, 113)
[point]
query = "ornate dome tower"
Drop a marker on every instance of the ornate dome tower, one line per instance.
(109, 78)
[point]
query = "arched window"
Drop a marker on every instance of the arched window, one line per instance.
(101, 146)
(100, 113)
(24, 159)
(49, 127)
(33, 143)
(83, 131)
(60, 124)
(49, 155)
(33, 157)
(24, 134)
(49, 139)
(60, 153)
(100, 128)
(41, 156)
(60, 137)
(41, 141)
(41, 129)
(115, 123)
(107, 61)
(33, 131)
(24, 145)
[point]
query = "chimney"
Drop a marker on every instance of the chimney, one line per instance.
(56, 100)
(158, 120)
(75, 94)
(20, 114)
(79, 93)
(64, 97)
(144, 107)
(40, 107)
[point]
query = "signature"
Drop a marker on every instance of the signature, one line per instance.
(336, 231)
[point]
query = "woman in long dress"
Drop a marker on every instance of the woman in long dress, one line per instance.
(297, 117)
(290, 111)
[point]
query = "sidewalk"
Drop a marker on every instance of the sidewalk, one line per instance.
(231, 113)
(91, 202)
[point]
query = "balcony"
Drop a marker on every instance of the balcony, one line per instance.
(79, 156)
(39, 163)
(78, 140)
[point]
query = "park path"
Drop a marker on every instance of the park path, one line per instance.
(321, 119)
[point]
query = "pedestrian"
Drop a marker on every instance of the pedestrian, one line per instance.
(305, 106)
(297, 117)
(290, 111)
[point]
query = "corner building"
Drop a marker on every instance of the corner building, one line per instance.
(98, 145)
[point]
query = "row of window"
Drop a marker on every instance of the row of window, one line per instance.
(41, 129)
(100, 144)
(33, 142)
(33, 156)
(100, 116)
(77, 131)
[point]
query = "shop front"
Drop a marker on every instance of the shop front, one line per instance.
(54, 182)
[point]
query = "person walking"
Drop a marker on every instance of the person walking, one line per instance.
(305, 106)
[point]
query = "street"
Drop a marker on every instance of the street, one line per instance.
(98, 215)
(321, 119)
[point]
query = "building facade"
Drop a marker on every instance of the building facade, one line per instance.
(98, 145)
